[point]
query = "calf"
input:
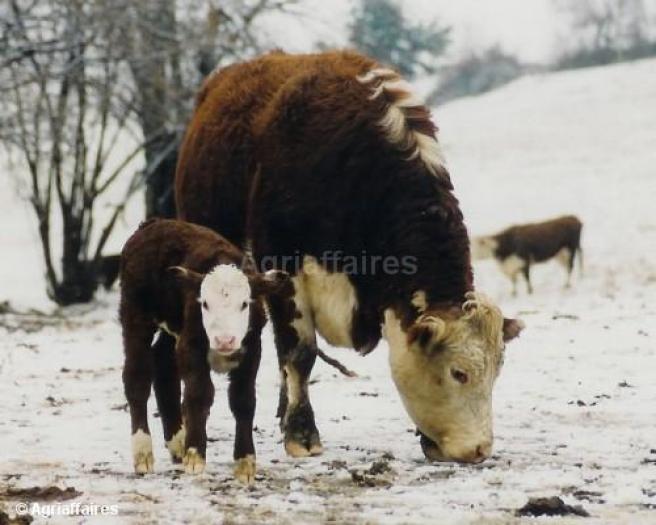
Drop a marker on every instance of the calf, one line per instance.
(203, 296)
(517, 247)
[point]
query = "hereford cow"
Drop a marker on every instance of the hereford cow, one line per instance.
(185, 282)
(348, 192)
(518, 247)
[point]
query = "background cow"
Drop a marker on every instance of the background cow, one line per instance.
(517, 247)
(184, 281)
(348, 168)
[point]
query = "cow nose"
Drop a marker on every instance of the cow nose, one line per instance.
(224, 342)
(480, 453)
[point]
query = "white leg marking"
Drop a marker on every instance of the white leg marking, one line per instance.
(245, 469)
(193, 461)
(142, 452)
(177, 444)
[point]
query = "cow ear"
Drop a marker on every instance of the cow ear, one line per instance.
(512, 328)
(269, 283)
(427, 332)
(185, 277)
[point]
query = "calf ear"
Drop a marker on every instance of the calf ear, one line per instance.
(269, 283)
(512, 328)
(184, 276)
(428, 331)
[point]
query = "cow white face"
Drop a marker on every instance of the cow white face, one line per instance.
(225, 296)
(483, 247)
(444, 367)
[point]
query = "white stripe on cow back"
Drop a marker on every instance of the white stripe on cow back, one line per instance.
(395, 122)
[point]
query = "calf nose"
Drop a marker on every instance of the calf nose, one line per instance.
(224, 342)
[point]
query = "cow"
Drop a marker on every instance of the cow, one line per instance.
(518, 247)
(202, 297)
(350, 195)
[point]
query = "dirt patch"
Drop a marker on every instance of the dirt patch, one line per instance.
(51, 493)
(18, 520)
(553, 506)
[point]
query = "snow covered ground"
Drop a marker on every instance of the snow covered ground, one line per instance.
(574, 405)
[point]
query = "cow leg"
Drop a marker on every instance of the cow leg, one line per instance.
(241, 396)
(296, 347)
(167, 393)
(513, 278)
(526, 270)
(198, 398)
(137, 380)
(566, 258)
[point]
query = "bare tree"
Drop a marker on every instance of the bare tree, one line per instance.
(64, 110)
(606, 31)
(169, 55)
(76, 78)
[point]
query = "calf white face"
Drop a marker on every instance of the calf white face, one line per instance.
(444, 367)
(225, 296)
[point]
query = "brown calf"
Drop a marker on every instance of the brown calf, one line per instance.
(517, 247)
(204, 298)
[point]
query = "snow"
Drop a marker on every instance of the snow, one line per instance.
(574, 404)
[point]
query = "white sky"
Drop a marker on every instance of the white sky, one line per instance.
(528, 28)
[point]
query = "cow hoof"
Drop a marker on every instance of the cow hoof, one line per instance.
(177, 445)
(316, 449)
(244, 470)
(142, 452)
(193, 462)
(296, 449)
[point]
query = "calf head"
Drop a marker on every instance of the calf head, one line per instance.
(444, 365)
(483, 247)
(226, 295)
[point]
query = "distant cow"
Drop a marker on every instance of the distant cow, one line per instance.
(204, 298)
(343, 163)
(518, 247)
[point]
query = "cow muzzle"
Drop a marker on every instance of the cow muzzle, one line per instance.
(476, 453)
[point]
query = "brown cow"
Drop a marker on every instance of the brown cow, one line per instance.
(185, 281)
(518, 247)
(350, 195)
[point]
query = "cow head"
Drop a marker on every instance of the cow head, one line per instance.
(226, 295)
(483, 247)
(444, 366)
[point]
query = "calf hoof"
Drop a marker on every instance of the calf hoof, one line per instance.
(244, 470)
(193, 462)
(142, 452)
(176, 445)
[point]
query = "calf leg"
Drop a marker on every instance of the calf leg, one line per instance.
(198, 398)
(167, 393)
(241, 396)
(295, 344)
(137, 380)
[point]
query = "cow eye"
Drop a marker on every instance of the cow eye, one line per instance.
(459, 376)
(204, 305)
(244, 305)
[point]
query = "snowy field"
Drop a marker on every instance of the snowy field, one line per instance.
(575, 412)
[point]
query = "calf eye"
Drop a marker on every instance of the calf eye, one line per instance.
(244, 305)
(459, 376)
(204, 305)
